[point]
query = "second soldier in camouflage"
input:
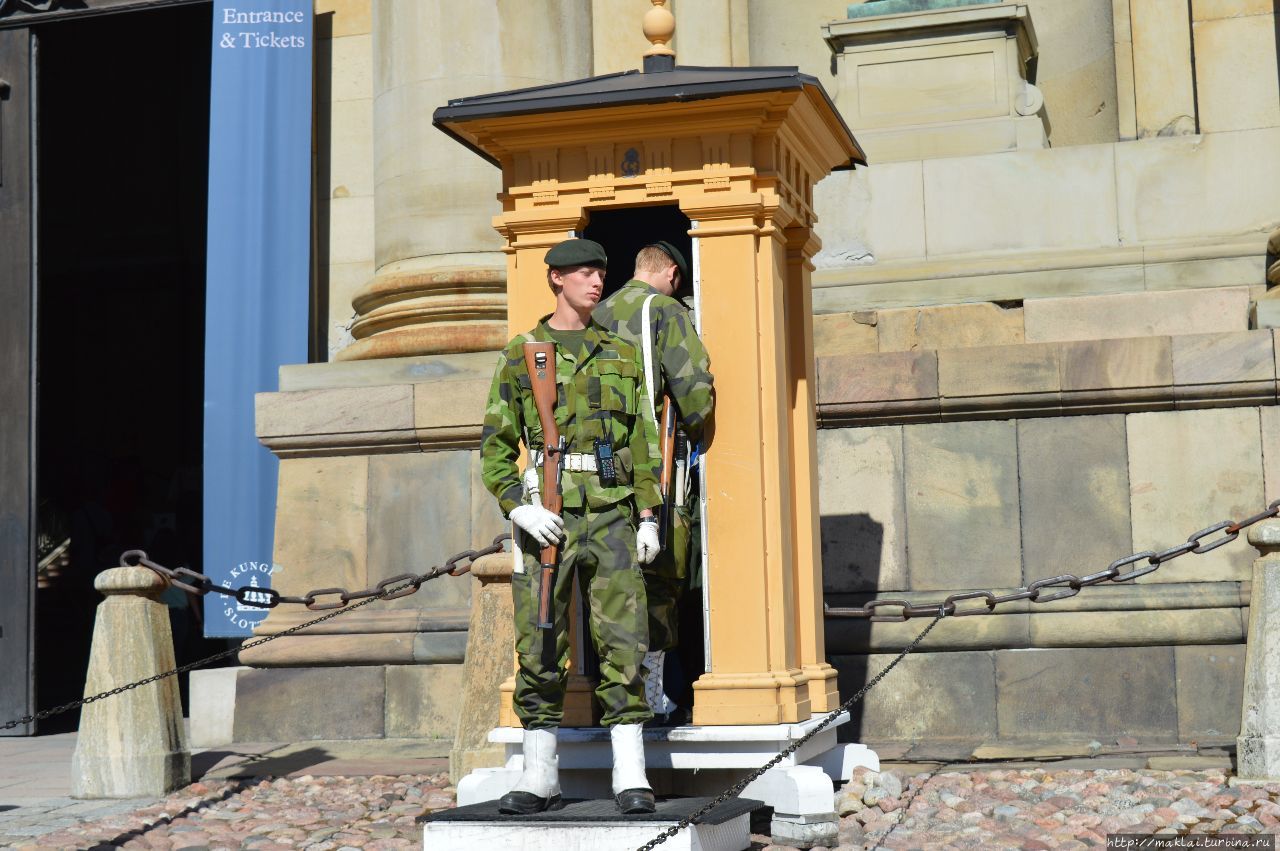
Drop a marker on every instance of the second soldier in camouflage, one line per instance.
(682, 370)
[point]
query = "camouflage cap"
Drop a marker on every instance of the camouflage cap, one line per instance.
(576, 252)
(678, 257)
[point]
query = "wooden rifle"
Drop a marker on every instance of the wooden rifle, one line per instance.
(540, 361)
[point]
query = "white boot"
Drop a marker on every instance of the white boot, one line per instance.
(654, 690)
(631, 787)
(538, 788)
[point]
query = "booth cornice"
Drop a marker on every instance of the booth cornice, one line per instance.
(763, 112)
(537, 226)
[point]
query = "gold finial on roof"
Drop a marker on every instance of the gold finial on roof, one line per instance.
(659, 27)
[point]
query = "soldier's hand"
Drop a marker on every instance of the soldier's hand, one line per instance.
(647, 543)
(545, 526)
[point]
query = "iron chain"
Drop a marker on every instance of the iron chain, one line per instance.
(1068, 584)
(1058, 587)
(201, 585)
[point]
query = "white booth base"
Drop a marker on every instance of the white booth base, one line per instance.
(702, 761)
(591, 826)
(460, 836)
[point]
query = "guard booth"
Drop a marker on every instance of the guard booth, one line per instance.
(737, 151)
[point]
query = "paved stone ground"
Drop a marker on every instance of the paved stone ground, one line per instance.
(319, 813)
(350, 795)
(1046, 807)
(1036, 807)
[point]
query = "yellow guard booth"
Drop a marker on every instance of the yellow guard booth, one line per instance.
(738, 150)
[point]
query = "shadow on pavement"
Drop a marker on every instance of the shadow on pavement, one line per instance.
(116, 841)
(228, 764)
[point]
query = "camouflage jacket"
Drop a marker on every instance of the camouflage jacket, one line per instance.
(601, 394)
(677, 349)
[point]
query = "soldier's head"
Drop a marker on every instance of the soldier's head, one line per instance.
(575, 273)
(662, 266)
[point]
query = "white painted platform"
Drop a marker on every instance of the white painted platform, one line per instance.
(734, 835)
(569, 830)
(702, 761)
(701, 748)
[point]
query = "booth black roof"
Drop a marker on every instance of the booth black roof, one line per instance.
(683, 83)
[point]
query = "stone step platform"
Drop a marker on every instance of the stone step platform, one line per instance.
(591, 825)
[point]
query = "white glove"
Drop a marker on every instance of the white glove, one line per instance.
(546, 527)
(647, 543)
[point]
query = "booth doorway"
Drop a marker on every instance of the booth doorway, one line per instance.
(120, 183)
(625, 231)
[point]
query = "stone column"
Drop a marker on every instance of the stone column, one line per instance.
(1258, 745)
(440, 284)
(712, 33)
(617, 43)
(131, 745)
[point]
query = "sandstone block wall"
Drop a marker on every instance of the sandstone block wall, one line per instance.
(955, 465)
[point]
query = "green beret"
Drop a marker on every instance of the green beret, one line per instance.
(576, 252)
(675, 255)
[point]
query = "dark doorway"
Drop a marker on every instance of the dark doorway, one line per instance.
(122, 163)
(624, 232)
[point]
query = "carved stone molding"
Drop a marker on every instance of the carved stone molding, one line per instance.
(1048, 379)
(436, 311)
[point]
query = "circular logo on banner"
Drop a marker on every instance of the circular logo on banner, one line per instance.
(243, 615)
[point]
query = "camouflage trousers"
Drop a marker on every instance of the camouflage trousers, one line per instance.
(600, 552)
(666, 579)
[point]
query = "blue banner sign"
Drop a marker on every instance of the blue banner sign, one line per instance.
(257, 282)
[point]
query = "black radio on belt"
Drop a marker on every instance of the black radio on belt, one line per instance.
(605, 465)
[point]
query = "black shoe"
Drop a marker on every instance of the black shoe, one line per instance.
(527, 804)
(636, 801)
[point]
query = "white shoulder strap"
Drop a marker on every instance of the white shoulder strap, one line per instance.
(647, 346)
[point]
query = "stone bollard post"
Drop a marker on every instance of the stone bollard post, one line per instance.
(1258, 745)
(131, 745)
(491, 641)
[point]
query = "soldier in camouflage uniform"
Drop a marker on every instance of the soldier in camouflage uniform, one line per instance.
(683, 371)
(601, 395)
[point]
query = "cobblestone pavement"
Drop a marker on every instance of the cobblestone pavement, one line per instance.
(319, 813)
(1036, 807)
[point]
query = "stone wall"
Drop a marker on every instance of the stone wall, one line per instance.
(1077, 69)
(1030, 363)
(1189, 204)
(983, 446)
(1085, 216)
(1155, 214)
(1038, 320)
(379, 476)
(949, 462)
